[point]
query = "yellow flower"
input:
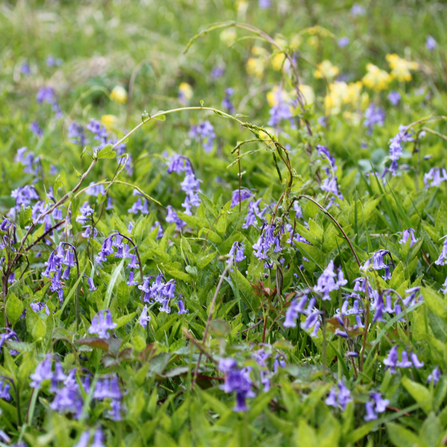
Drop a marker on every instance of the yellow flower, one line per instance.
(326, 70)
(241, 6)
(307, 92)
(119, 95)
(341, 93)
(228, 36)
(353, 93)
(400, 68)
(109, 121)
(279, 61)
(256, 63)
(376, 78)
(184, 92)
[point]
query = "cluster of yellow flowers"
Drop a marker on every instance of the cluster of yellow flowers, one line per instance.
(400, 68)
(341, 93)
(326, 70)
(375, 78)
(184, 93)
(277, 94)
(257, 62)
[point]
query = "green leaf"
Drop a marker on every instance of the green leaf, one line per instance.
(113, 280)
(419, 393)
(39, 330)
(106, 152)
(25, 216)
(400, 436)
(176, 273)
(14, 308)
(159, 117)
(435, 303)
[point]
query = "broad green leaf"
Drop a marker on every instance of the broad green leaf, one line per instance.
(435, 303)
(400, 436)
(14, 308)
(419, 393)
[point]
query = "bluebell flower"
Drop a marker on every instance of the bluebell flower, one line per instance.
(181, 308)
(374, 406)
(204, 133)
(227, 104)
(434, 376)
(329, 281)
(236, 254)
(396, 148)
(266, 241)
(217, 72)
(436, 175)
(46, 94)
(102, 323)
(442, 260)
(173, 218)
(264, 4)
(68, 400)
(431, 43)
(394, 97)
(281, 110)
(253, 213)
(36, 129)
(43, 372)
(165, 306)
(244, 194)
(374, 116)
(343, 41)
(339, 396)
(408, 234)
(25, 69)
(160, 229)
(84, 439)
(98, 439)
(51, 61)
(357, 10)
(76, 134)
(4, 390)
(144, 317)
(391, 361)
(180, 163)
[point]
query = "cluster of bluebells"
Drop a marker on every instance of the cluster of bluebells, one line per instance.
(204, 133)
(435, 177)
(268, 239)
(374, 406)
(8, 335)
(58, 267)
(190, 184)
(403, 136)
(161, 292)
(67, 391)
(48, 95)
(408, 234)
(140, 206)
(329, 281)
(31, 163)
(330, 183)
(23, 195)
(85, 218)
(377, 263)
(394, 97)
(306, 307)
(237, 381)
(236, 254)
(392, 362)
(102, 323)
(339, 396)
(374, 116)
(98, 439)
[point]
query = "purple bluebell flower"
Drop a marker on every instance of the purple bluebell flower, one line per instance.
(330, 184)
(391, 361)
(431, 43)
(444, 287)
(265, 242)
(227, 104)
(165, 306)
(39, 307)
(98, 439)
(253, 213)
(436, 175)
(173, 218)
(160, 229)
(357, 10)
(84, 439)
(181, 308)
(442, 260)
(339, 396)
(394, 97)
(236, 254)
(51, 61)
(404, 363)
(238, 381)
(91, 284)
(378, 263)
(343, 41)
(281, 110)
(204, 133)
(24, 195)
(324, 151)
(76, 134)
(374, 116)
(43, 372)
(36, 129)
(144, 317)
(329, 281)
(68, 400)
(416, 362)
(375, 405)
(264, 4)
(180, 163)
(408, 234)
(46, 94)
(131, 281)
(434, 376)
(217, 72)
(244, 194)
(4, 390)
(396, 148)
(25, 69)
(102, 323)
